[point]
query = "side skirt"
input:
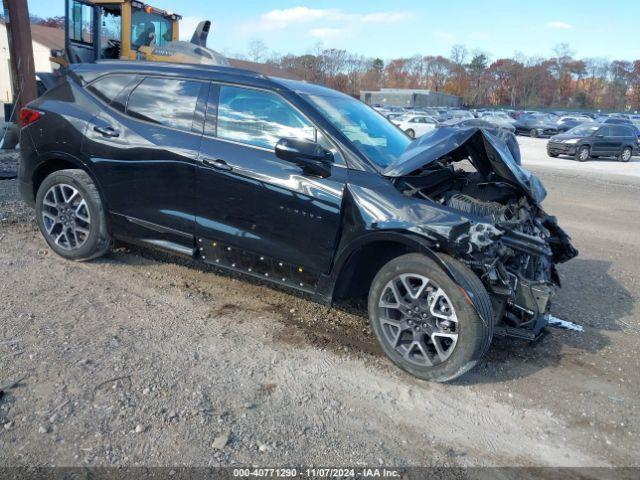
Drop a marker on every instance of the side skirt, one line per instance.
(271, 269)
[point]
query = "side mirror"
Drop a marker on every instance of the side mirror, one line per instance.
(307, 154)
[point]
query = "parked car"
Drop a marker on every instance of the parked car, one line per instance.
(621, 121)
(593, 140)
(393, 116)
(415, 125)
(568, 122)
(536, 125)
(304, 187)
(499, 119)
(453, 114)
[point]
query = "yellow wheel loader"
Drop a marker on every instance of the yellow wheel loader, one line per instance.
(130, 30)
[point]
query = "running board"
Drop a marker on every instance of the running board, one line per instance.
(170, 247)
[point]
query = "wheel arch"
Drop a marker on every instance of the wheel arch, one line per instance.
(362, 258)
(56, 161)
(354, 270)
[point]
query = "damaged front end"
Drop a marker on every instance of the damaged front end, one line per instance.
(504, 236)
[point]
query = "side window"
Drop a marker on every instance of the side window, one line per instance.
(167, 102)
(81, 22)
(259, 118)
(107, 88)
(604, 131)
(621, 131)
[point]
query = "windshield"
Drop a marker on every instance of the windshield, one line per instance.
(403, 117)
(371, 133)
(583, 130)
(150, 29)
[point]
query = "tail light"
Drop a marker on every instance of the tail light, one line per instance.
(29, 116)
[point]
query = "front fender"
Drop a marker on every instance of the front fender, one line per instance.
(414, 243)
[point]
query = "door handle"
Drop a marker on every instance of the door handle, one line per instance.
(217, 163)
(107, 131)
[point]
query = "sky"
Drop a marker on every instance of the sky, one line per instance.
(402, 28)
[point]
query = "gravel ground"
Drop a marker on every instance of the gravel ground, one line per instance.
(144, 359)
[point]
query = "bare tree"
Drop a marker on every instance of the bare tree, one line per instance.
(258, 51)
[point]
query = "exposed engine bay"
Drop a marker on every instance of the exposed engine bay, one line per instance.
(509, 241)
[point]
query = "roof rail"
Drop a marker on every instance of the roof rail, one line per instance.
(177, 66)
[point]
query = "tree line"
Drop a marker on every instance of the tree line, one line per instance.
(558, 81)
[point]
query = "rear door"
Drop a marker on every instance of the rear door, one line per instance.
(144, 150)
(258, 213)
(619, 138)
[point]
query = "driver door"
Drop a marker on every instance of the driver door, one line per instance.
(257, 205)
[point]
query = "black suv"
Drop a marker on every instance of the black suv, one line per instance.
(536, 125)
(593, 140)
(304, 187)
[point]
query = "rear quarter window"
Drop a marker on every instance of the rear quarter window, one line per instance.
(168, 102)
(108, 88)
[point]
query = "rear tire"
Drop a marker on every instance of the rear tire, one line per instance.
(583, 154)
(533, 133)
(71, 216)
(431, 331)
(625, 155)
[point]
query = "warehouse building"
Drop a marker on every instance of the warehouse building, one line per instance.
(400, 97)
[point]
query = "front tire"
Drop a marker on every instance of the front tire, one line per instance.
(625, 155)
(553, 155)
(533, 133)
(583, 154)
(411, 133)
(423, 322)
(71, 216)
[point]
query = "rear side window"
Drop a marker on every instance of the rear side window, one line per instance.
(164, 101)
(259, 118)
(107, 88)
(620, 131)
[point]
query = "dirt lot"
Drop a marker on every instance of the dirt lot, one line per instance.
(142, 359)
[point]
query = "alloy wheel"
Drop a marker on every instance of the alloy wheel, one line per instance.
(418, 320)
(626, 155)
(584, 154)
(66, 216)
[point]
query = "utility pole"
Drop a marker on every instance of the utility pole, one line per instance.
(23, 70)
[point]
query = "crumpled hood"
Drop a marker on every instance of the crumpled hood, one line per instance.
(487, 152)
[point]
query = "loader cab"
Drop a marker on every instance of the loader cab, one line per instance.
(115, 29)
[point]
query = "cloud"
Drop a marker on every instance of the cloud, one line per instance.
(328, 33)
(559, 25)
(385, 17)
(444, 36)
(279, 19)
(335, 22)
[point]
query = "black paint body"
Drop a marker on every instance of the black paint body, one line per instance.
(237, 206)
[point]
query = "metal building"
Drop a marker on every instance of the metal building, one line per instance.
(400, 97)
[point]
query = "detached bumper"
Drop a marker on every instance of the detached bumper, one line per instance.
(557, 148)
